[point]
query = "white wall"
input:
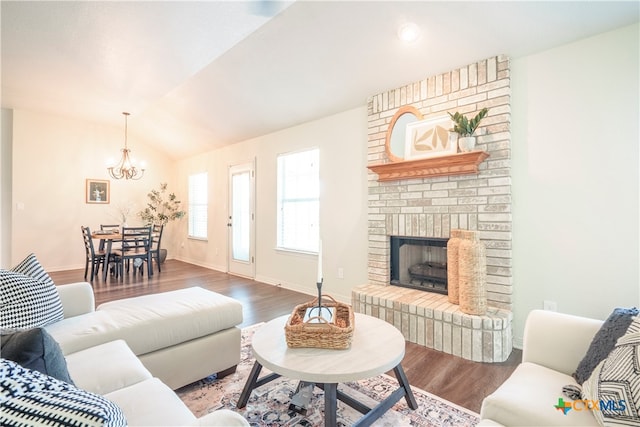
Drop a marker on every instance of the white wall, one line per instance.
(52, 157)
(342, 141)
(575, 177)
(5, 186)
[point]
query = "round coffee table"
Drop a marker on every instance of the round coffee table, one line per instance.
(376, 347)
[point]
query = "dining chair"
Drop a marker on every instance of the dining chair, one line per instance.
(156, 240)
(104, 227)
(112, 227)
(136, 244)
(94, 257)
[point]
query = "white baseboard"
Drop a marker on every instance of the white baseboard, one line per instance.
(220, 268)
(346, 299)
(299, 288)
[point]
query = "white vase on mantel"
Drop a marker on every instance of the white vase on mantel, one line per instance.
(467, 143)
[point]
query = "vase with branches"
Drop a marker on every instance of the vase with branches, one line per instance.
(161, 207)
(121, 212)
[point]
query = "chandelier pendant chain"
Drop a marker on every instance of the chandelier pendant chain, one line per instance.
(126, 117)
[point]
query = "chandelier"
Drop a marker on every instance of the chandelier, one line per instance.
(125, 167)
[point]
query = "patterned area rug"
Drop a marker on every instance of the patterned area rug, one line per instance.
(269, 404)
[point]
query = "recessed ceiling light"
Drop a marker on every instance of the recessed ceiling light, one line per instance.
(408, 32)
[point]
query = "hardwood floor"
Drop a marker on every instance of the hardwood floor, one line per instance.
(458, 380)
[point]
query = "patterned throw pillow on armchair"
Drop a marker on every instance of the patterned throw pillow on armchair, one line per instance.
(615, 382)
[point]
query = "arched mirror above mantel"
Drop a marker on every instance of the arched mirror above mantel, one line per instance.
(396, 133)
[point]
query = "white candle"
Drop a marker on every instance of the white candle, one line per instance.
(320, 263)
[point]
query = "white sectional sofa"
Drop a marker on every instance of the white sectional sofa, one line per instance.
(131, 352)
(102, 386)
(179, 336)
(113, 371)
(553, 346)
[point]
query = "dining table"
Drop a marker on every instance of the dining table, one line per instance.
(110, 236)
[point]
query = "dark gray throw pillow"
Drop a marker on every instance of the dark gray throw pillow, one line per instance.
(35, 349)
(604, 341)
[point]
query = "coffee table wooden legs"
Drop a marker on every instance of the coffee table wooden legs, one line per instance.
(404, 383)
(330, 404)
(253, 382)
(332, 395)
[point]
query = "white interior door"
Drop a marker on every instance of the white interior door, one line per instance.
(241, 224)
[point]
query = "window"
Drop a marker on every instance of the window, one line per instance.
(299, 201)
(198, 205)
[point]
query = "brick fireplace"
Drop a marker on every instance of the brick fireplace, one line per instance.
(429, 207)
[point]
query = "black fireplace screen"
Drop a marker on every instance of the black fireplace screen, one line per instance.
(419, 263)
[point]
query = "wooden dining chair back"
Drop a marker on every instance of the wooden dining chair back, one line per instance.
(107, 227)
(156, 241)
(93, 257)
(136, 245)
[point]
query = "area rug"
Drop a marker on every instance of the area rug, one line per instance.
(269, 404)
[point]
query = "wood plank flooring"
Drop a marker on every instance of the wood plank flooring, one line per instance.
(458, 380)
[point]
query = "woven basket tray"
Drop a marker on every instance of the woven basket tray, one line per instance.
(336, 335)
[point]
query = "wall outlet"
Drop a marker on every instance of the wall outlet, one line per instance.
(550, 305)
(340, 273)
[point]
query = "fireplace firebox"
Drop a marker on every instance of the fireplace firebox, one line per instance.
(419, 263)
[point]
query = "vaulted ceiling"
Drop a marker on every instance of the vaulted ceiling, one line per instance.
(199, 75)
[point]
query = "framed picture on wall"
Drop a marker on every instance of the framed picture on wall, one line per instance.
(430, 138)
(97, 191)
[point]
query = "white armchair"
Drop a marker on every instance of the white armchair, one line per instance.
(553, 346)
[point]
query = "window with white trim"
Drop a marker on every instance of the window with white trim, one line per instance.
(299, 201)
(198, 205)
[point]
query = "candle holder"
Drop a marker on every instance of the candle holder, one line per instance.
(318, 313)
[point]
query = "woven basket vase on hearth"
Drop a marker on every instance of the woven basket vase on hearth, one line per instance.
(472, 274)
(453, 290)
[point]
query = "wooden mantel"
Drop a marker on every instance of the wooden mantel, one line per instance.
(453, 164)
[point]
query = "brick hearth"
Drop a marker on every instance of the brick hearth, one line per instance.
(429, 319)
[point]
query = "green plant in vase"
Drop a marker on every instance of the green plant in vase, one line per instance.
(465, 128)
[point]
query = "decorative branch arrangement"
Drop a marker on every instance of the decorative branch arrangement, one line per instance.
(161, 207)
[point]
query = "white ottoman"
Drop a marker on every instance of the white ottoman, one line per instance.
(180, 336)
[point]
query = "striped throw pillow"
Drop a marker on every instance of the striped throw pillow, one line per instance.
(32, 267)
(31, 398)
